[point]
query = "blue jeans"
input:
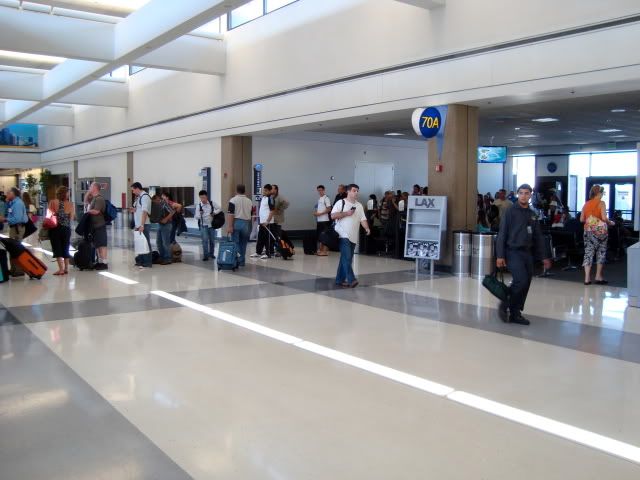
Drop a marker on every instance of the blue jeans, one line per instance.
(345, 267)
(146, 259)
(208, 235)
(241, 232)
(163, 240)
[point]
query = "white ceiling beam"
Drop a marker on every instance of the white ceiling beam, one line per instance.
(428, 4)
(154, 25)
(32, 32)
(79, 39)
(52, 115)
(189, 53)
(30, 86)
(92, 7)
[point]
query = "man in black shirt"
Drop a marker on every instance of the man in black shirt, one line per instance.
(519, 241)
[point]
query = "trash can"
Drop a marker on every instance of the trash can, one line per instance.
(633, 275)
(461, 253)
(482, 248)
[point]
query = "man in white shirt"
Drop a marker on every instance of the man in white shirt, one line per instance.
(141, 211)
(266, 212)
(349, 215)
(323, 208)
(502, 203)
(204, 214)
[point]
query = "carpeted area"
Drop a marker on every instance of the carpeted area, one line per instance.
(615, 272)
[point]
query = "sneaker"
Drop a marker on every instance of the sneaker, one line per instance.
(254, 255)
(142, 267)
(101, 266)
(166, 262)
(264, 257)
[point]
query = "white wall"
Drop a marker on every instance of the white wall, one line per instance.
(179, 165)
(113, 166)
(490, 177)
(299, 165)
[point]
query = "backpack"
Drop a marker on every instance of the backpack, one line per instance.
(156, 212)
(110, 212)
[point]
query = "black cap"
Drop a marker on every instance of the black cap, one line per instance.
(137, 185)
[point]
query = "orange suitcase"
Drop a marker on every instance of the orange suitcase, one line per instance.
(31, 265)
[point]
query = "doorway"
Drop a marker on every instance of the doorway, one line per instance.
(374, 178)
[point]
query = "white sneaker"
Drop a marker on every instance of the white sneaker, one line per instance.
(254, 255)
(264, 257)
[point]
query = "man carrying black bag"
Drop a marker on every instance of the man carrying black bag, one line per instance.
(519, 241)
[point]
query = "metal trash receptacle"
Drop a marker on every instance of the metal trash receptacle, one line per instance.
(461, 253)
(482, 254)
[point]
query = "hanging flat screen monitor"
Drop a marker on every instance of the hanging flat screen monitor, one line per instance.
(492, 154)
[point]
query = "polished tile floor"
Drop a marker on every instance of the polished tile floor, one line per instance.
(272, 373)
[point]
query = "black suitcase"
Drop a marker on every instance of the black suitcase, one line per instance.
(4, 266)
(84, 257)
(310, 244)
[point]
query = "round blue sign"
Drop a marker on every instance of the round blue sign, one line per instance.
(257, 167)
(429, 122)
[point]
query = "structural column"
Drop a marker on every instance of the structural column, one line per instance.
(236, 165)
(454, 174)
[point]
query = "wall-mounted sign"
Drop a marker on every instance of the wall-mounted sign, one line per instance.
(427, 122)
(430, 123)
(257, 182)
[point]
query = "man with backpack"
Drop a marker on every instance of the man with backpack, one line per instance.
(97, 210)
(205, 213)
(142, 223)
(239, 225)
(165, 230)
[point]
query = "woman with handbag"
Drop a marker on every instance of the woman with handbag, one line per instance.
(60, 213)
(596, 234)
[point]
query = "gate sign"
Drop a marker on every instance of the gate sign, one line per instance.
(427, 122)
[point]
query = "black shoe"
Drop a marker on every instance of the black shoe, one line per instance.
(519, 319)
(502, 312)
(101, 266)
(205, 259)
(601, 282)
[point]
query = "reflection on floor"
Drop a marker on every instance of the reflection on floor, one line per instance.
(271, 372)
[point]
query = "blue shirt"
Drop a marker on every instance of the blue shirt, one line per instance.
(17, 213)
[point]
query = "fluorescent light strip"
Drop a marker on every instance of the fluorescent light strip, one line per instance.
(559, 429)
(377, 369)
(583, 437)
(118, 278)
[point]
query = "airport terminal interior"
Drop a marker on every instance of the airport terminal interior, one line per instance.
(180, 356)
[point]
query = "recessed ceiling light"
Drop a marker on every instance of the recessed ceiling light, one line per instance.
(394, 134)
(517, 128)
(609, 130)
(618, 136)
(529, 135)
(545, 120)
(618, 110)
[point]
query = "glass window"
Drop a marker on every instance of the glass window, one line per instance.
(525, 170)
(276, 4)
(133, 69)
(246, 13)
(614, 164)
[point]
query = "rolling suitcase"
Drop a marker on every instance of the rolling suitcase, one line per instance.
(227, 255)
(23, 258)
(310, 244)
(4, 266)
(85, 255)
(30, 264)
(282, 247)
